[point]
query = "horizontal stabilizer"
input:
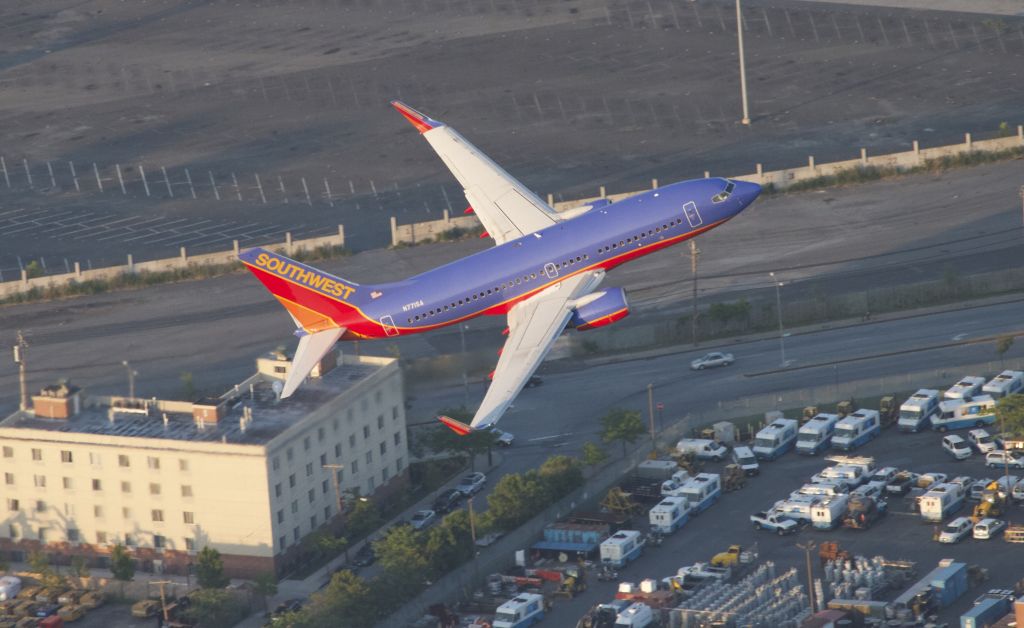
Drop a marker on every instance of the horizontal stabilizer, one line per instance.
(458, 427)
(311, 348)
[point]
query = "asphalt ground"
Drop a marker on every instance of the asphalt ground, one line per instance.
(902, 535)
(195, 100)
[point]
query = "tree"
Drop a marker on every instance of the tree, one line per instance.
(621, 425)
(1010, 412)
(213, 607)
(346, 602)
(78, 567)
(121, 565)
(400, 553)
(449, 544)
(330, 545)
(39, 563)
(442, 439)
(363, 518)
(1003, 345)
(516, 498)
(561, 475)
(265, 585)
(210, 569)
(593, 454)
(188, 386)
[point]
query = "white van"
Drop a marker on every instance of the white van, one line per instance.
(1006, 383)
(966, 388)
(917, 411)
(982, 441)
(941, 501)
(828, 513)
(523, 610)
(815, 435)
(636, 615)
(854, 430)
(702, 490)
(702, 448)
(775, 439)
(746, 460)
(670, 514)
(956, 447)
(622, 548)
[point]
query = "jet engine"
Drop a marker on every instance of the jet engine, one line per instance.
(599, 309)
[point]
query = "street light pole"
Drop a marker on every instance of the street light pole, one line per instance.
(131, 379)
(808, 548)
(650, 414)
(743, 68)
(778, 309)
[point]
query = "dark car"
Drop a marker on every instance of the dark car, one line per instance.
(365, 556)
(448, 501)
(46, 609)
(535, 380)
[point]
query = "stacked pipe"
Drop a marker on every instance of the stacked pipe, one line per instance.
(759, 600)
(846, 577)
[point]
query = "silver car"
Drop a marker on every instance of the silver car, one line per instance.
(995, 459)
(709, 360)
(471, 484)
(422, 519)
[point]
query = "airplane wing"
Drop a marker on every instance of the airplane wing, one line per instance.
(506, 208)
(534, 325)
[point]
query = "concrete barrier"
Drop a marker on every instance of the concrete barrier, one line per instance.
(419, 232)
(183, 261)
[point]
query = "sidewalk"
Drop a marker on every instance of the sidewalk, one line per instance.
(291, 589)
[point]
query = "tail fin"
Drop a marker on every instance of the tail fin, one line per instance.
(311, 297)
(458, 427)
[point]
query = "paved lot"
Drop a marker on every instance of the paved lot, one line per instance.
(144, 127)
(901, 535)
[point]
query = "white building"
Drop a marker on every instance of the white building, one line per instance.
(245, 473)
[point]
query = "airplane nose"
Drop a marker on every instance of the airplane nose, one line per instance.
(748, 191)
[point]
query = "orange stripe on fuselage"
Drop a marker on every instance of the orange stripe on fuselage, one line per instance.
(604, 320)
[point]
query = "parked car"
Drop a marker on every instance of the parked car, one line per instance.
(534, 381)
(956, 446)
(503, 438)
(1017, 492)
(93, 599)
(956, 530)
(48, 595)
(471, 484)
(146, 608)
(901, 483)
(982, 441)
(977, 488)
(365, 556)
(422, 519)
(447, 501)
(712, 359)
(873, 490)
(71, 612)
(780, 524)
(989, 528)
(995, 459)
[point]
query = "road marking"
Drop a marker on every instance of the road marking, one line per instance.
(959, 336)
(548, 437)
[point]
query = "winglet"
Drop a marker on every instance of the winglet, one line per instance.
(417, 119)
(458, 427)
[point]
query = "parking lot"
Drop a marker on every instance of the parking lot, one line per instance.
(900, 535)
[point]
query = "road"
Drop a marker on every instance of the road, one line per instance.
(140, 128)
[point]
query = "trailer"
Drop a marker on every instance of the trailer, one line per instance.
(942, 587)
(987, 609)
(775, 439)
(815, 436)
(829, 512)
(941, 501)
(960, 414)
(967, 388)
(1006, 383)
(856, 429)
(702, 491)
(571, 538)
(670, 514)
(622, 548)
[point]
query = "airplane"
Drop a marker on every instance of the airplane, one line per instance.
(543, 272)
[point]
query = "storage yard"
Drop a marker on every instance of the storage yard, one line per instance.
(681, 542)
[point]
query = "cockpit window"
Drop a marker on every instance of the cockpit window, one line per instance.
(723, 195)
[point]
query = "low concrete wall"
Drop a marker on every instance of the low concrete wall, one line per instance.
(780, 179)
(183, 261)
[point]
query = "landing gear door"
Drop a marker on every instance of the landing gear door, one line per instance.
(692, 215)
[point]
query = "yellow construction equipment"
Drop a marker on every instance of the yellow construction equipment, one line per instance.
(844, 408)
(809, 413)
(688, 462)
(733, 478)
(728, 558)
(619, 502)
(992, 504)
(573, 583)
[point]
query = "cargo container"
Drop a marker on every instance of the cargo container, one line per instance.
(572, 537)
(986, 611)
(947, 583)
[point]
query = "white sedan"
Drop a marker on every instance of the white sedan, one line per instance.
(422, 519)
(956, 530)
(988, 528)
(712, 359)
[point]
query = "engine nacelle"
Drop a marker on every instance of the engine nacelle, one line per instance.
(599, 309)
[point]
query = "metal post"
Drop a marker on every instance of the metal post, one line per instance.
(472, 536)
(778, 307)
(650, 414)
(694, 252)
(131, 379)
(163, 600)
(743, 69)
(19, 359)
(808, 548)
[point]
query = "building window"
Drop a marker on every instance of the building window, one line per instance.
(323, 459)
(366, 432)
(383, 448)
(97, 511)
(277, 490)
(97, 485)
(377, 397)
(371, 484)
(283, 542)
(65, 456)
(312, 522)
(398, 439)
(73, 535)
(123, 461)
(129, 540)
(190, 544)
(158, 515)
(12, 505)
(153, 463)
(154, 489)
(186, 490)
(309, 469)
(369, 457)
(394, 413)
(291, 481)
(295, 506)
(94, 459)
(398, 465)
(323, 487)
(101, 538)
(8, 478)
(126, 512)
(40, 506)
(337, 450)
(9, 452)
(320, 434)
(305, 443)
(295, 533)
(334, 424)
(39, 481)
(68, 484)
(69, 510)
(182, 464)
(380, 421)
(158, 541)
(37, 455)
(384, 474)
(280, 516)
(189, 517)
(275, 462)
(312, 495)
(327, 513)
(126, 487)
(352, 441)
(355, 467)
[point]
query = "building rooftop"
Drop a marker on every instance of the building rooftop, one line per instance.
(270, 417)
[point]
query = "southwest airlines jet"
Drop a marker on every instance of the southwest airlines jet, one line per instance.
(543, 272)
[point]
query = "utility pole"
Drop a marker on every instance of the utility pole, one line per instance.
(131, 379)
(808, 548)
(335, 468)
(472, 536)
(19, 359)
(1022, 205)
(163, 600)
(778, 308)
(743, 65)
(650, 413)
(694, 252)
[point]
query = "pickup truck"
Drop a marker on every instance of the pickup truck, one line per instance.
(704, 571)
(779, 523)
